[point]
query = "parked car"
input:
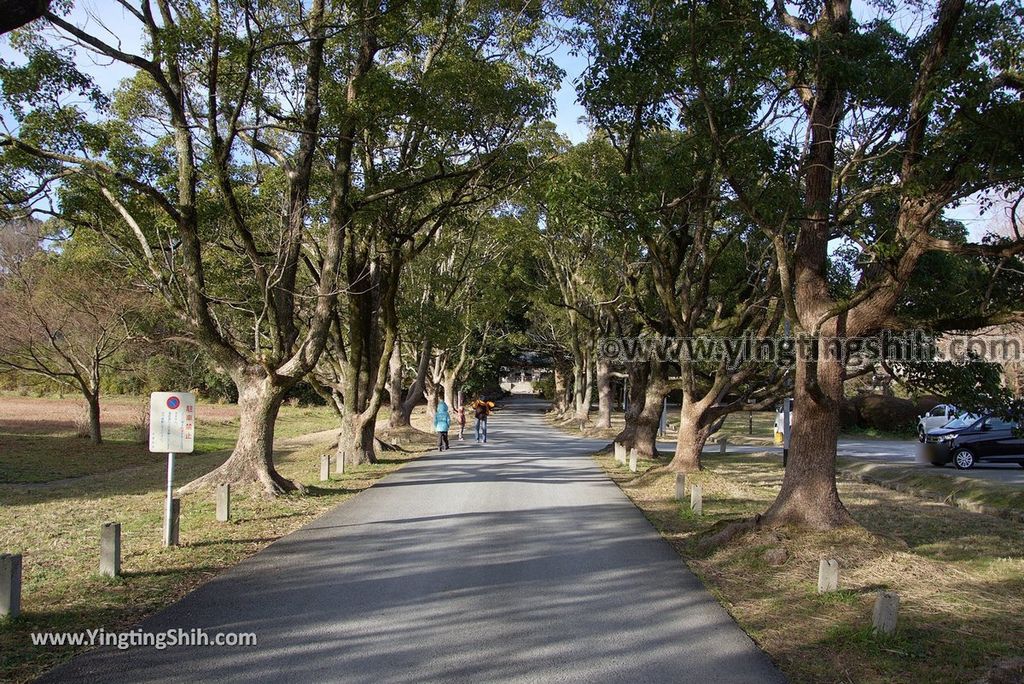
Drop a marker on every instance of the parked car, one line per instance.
(936, 418)
(967, 440)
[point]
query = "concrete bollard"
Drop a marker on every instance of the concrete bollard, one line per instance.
(10, 585)
(696, 500)
(110, 549)
(828, 576)
(325, 467)
(723, 445)
(339, 464)
(620, 452)
(223, 502)
(632, 460)
(175, 523)
(886, 612)
(680, 486)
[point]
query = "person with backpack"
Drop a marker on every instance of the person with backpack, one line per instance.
(442, 421)
(481, 410)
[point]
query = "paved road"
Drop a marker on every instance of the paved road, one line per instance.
(906, 453)
(515, 561)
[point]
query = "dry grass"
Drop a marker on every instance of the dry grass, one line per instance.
(960, 576)
(56, 526)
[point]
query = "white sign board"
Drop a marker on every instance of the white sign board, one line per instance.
(172, 422)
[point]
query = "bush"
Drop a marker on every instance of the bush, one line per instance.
(545, 387)
(886, 414)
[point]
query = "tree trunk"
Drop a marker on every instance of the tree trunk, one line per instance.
(449, 390)
(253, 457)
(395, 388)
(637, 376)
(433, 396)
(604, 394)
(695, 426)
(582, 388)
(356, 443)
(95, 430)
(415, 394)
(809, 497)
(561, 392)
(17, 13)
(645, 435)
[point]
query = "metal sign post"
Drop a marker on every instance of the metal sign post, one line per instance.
(169, 504)
(172, 427)
(787, 408)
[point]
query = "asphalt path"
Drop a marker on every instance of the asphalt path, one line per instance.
(515, 561)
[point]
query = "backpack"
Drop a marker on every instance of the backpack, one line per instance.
(480, 411)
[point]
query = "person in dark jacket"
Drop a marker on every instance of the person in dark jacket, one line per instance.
(481, 411)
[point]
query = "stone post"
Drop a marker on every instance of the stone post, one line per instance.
(110, 549)
(681, 486)
(632, 460)
(10, 585)
(696, 500)
(325, 467)
(828, 576)
(223, 502)
(887, 608)
(620, 452)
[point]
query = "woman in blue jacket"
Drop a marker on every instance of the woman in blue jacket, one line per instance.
(442, 421)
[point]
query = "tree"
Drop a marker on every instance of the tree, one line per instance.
(429, 149)
(906, 155)
(63, 316)
(258, 140)
(197, 167)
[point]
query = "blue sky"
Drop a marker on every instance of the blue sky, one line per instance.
(569, 110)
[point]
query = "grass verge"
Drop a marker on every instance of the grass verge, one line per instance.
(969, 493)
(57, 527)
(959, 574)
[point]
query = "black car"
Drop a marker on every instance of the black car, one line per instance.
(967, 440)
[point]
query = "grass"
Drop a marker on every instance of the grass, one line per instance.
(745, 427)
(960, 575)
(970, 493)
(56, 528)
(35, 451)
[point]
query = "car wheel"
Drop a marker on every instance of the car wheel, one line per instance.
(920, 434)
(963, 459)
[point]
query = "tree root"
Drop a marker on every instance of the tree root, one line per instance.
(271, 482)
(725, 531)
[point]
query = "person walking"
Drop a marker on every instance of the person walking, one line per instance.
(462, 421)
(442, 421)
(481, 411)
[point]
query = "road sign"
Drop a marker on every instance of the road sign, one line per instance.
(172, 422)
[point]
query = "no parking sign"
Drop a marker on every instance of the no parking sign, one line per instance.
(172, 422)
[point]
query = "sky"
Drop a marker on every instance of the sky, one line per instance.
(569, 111)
